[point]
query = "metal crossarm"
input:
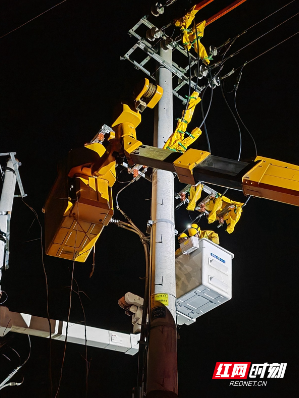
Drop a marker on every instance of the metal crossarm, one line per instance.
(174, 68)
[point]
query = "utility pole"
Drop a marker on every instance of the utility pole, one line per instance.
(162, 352)
(6, 202)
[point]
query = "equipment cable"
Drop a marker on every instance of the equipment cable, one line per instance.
(47, 293)
(141, 379)
(247, 200)
(189, 87)
(237, 112)
(85, 337)
(235, 119)
(15, 384)
(211, 98)
(6, 296)
(239, 78)
(66, 331)
(201, 102)
(70, 302)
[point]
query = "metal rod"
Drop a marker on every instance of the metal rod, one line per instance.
(6, 202)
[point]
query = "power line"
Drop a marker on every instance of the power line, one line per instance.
(220, 63)
(8, 33)
(252, 26)
(271, 48)
(270, 15)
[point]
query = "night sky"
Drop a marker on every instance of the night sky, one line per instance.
(61, 77)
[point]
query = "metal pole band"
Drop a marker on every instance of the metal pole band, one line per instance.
(163, 220)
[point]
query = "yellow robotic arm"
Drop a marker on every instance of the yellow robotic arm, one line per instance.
(80, 203)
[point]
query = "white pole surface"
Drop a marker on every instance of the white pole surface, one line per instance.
(6, 202)
(163, 245)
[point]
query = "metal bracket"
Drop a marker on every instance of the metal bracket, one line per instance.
(16, 170)
(6, 258)
(152, 53)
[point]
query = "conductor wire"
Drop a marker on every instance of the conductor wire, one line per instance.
(253, 41)
(252, 26)
(32, 19)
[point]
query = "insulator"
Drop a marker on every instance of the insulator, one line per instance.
(153, 33)
(157, 9)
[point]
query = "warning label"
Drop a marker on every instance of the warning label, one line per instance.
(161, 297)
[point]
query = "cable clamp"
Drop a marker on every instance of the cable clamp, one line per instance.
(2, 236)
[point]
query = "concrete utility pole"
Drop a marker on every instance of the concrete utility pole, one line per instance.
(6, 202)
(162, 355)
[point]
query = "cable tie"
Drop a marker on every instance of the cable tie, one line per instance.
(171, 149)
(182, 146)
(190, 135)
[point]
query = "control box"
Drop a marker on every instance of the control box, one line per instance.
(203, 280)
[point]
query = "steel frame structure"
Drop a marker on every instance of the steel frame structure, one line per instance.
(174, 68)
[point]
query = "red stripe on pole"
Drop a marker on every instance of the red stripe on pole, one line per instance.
(224, 11)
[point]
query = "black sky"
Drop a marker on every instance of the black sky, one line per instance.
(61, 77)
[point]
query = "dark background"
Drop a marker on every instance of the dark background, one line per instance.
(60, 79)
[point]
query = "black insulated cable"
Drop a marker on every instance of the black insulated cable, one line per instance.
(237, 112)
(235, 119)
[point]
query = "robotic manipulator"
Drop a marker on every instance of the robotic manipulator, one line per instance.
(80, 203)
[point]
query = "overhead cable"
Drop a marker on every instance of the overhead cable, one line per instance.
(252, 26)
(6, 34)
(257, 56)
(220, 63)
(240, 34)
(270, 15)
(269, 49)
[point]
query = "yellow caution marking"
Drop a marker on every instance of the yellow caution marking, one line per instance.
(160, 297)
